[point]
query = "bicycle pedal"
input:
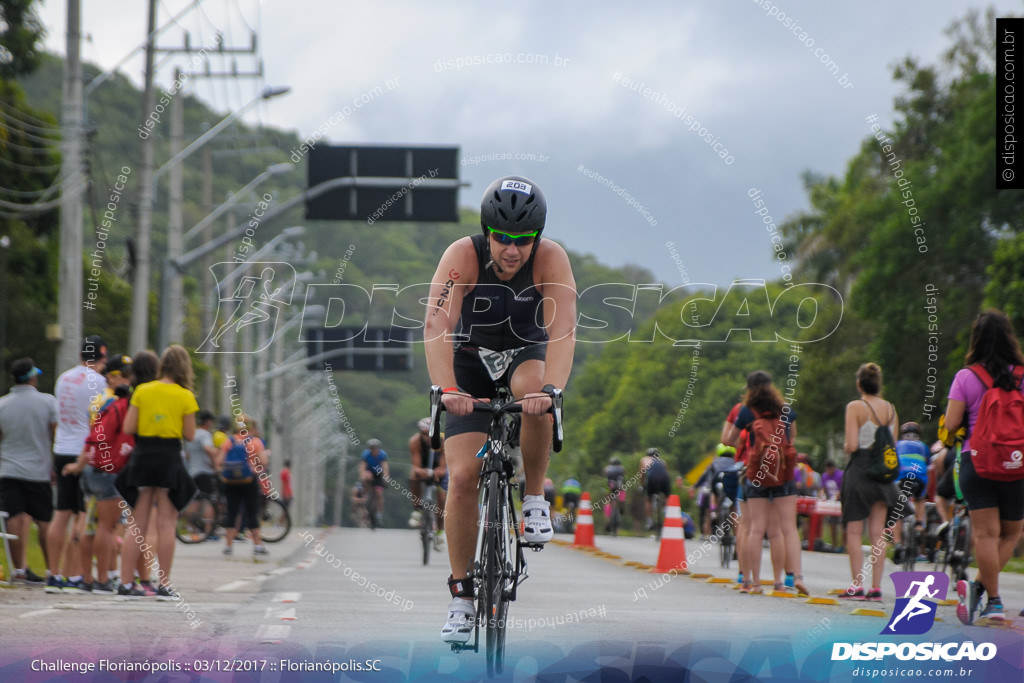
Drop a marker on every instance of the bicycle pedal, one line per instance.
(535, 547)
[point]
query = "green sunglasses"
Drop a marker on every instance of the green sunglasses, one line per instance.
(523, 240)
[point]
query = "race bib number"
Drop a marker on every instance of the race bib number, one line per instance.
(497, 362)
(518, 186)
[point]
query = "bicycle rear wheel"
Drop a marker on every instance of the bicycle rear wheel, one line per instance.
(191, 527)
(275, 522)
(961, 550)
(493, 570)
(909, 545)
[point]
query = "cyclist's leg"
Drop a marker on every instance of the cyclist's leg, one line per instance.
(781, 562)
(463, 499)
(526, 376)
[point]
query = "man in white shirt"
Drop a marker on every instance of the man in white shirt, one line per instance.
(75, 390)
(28, 418)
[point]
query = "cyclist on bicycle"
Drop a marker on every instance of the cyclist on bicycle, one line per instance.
(427, 465)
(571, 490)
(376, 474)
(655, 480)
(502, 309)
(913, 482)
(615, 473)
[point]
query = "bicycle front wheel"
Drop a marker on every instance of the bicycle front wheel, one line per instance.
(493, 569)
(427, 527)
(275, 522)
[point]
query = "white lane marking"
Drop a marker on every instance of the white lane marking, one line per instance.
(234, 585)
(280, 614)
(39, 612)
(282, 570)
(272, 634)
(287, 597)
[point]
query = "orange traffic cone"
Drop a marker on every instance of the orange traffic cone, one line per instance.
(672, 554)
(584, 524)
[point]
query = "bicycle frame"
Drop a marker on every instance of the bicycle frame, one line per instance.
(498, 535)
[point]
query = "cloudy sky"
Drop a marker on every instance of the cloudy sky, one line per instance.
(578, 90)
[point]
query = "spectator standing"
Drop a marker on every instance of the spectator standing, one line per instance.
(200, 458)
(162, 413)
(75, 390)
(865, 499)
(28, 419)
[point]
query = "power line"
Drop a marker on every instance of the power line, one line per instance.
(35, 138)
(54, 130)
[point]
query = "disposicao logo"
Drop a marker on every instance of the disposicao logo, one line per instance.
(914, 613)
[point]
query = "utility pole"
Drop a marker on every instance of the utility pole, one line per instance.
(139, 337)
(206, 283)
(70, 299)
(171, 293)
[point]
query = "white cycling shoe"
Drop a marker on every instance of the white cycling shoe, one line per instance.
(459, 627)
(537, 521)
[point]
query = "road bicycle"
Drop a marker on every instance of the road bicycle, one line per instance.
(657, 514)
(195, 525)
(617, 491)
(957, 556)
(498, 565)
(428, 519)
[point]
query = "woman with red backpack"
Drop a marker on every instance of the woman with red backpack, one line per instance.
(769, 492)
(992, 482)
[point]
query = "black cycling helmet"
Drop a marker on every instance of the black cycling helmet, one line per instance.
(614, 461)
(910, 428)
(515, 205)
(653, 452)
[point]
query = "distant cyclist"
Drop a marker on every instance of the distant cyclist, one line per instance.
(571, 491)
(655, 479)
(615, 473)
(913, 481)
(427, 465)
(376, 474)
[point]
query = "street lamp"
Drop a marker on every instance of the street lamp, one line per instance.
(140, 290)
(172, 314)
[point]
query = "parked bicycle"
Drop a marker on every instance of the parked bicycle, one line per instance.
(499, 565)
(956, 557)
(195, 525)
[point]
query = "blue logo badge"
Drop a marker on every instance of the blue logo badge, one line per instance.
(918, 593)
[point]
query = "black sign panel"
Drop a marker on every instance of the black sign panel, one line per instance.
(371, 349)
(387, 183)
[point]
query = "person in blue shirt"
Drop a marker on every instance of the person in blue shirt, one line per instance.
(376, 473)
(913, 481)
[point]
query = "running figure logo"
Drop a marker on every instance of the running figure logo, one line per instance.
(914, 613)
(249, 294)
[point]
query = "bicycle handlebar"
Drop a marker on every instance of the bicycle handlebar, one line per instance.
(495, 408)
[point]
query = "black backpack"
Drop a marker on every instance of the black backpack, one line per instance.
(883, 462)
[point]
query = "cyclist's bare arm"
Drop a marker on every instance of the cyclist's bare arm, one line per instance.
(954, 415)
(553, 273)
(415, 456)
(455, 276)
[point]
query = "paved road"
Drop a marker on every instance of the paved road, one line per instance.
(353, 595)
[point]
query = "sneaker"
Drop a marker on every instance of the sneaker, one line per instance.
(790, 579)
(78, 586)
(739, 578)
(459, 626)
(852, 593)
(28, 577)
(380, 519)
(993, 610)
(108, 588)
(227, 550)
(55, 584)
(874, 595)
(439, 539)
(897, 555)
(165, 594)
(969, 594)
(415, 519)
(260, 550)
(537, 521)
(213, 537)
(130, 592)
(147, 588)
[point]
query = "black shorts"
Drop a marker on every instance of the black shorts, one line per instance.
(377, 476)
(571, 499)
(207, 484)
(752, 492)
(658, 485)
(982, 494)
(472, 377)
(244, 498)
(69, 489)
(34, 498)
(912, 488)
(156, 462)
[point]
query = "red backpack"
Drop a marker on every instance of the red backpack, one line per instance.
(111, 447)
(997, 440)
(772, 456)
